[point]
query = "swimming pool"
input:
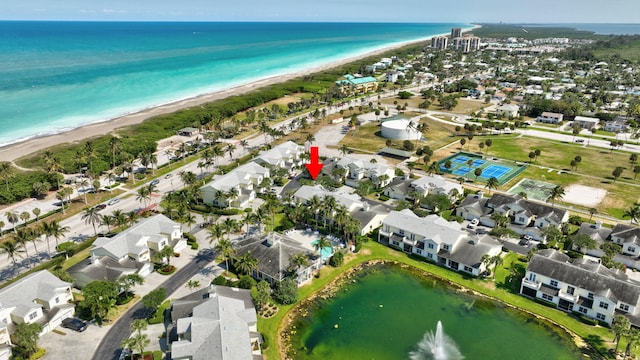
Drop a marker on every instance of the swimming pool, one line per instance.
(325, 252)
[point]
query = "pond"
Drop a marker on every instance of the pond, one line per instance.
(386, 310)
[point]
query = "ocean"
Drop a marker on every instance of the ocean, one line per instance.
(56, 76)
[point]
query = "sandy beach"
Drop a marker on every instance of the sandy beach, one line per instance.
(17, 150)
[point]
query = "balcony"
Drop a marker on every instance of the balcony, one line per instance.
(531, 284)
(566, 296)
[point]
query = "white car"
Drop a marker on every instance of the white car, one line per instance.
(113, 201)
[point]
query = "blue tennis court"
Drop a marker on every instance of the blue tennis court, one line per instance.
(464, 165)
(496, 171)
(461, 171)
(460, 159)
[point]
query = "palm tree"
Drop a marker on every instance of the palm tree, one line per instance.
(22, 237)
(592, 211)
(556, 193)
(246, 263)
(230, 149)
(57, 231)
(12, 249)
(344, 150)
(226, 249)
(621, 325)
(25, 216)
(321, 244)
(13, 218)
(299, 260)
(633, 212)
(492, 183)
(114, 145)
(6, 170)
(216, 232)
(496, 261)
(92, 216)
(36, 212)
(138, 342)
(143, 195)
(166, 253)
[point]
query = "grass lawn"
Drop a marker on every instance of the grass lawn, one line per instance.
(594, 170)
(598, 336)
(465, 106)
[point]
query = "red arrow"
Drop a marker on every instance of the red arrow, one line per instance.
(314, 166)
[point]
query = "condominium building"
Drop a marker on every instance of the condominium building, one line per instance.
(439, 42)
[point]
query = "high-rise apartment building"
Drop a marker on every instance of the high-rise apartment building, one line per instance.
(456, 32)
(439, 42)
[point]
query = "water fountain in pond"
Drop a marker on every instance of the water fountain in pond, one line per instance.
(436, 346)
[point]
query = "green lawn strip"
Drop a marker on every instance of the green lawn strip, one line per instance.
(598, 336)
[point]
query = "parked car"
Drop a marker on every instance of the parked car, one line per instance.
(101, 206)
(113, 201)
(126, 352)
(155, 182)
(74, 324)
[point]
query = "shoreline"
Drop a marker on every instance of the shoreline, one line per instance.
(21, 148)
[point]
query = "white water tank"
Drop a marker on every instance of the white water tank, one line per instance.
(401, 129)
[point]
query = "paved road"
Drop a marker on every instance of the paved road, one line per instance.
(109, 347)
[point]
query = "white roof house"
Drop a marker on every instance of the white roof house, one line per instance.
(435, 184)
(244, 179)
(586, 122)
(152, 233)
(379, 174)
(129, 252)
(39, 297)
(509, 110)
(285, 155)
(349, 201)
(437, 240)
(214, 323)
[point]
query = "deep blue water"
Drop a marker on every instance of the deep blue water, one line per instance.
(55, 76)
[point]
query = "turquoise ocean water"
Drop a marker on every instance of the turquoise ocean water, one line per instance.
(55, 76)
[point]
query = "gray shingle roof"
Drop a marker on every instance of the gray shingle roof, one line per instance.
(470, 252)
(430, 227)
(273, 252)
(594, 278)
(218, 326)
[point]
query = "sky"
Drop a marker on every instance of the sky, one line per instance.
(426, 11)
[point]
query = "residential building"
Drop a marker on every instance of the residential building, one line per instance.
(404, 188)
(369, 214)
(352, 85)
(274, 253)
(616, 126)
(188, 131)
(129, 252)
(526, 217)
(216, 322)
(550, 118)
(456, 32)
(393, 75)
(585, 287)
(586, 122)
(236, 188)
(37, 298)
(508, 110)
(466, 43)
(287, 155)
(437, 240)
(358, 170)
(478, 92)
(440, 42)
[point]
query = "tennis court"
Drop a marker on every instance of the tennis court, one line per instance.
(466, 164)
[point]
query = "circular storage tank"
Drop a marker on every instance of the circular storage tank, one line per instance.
(402, 129)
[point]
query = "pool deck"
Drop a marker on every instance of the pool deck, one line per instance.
(307, 237)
